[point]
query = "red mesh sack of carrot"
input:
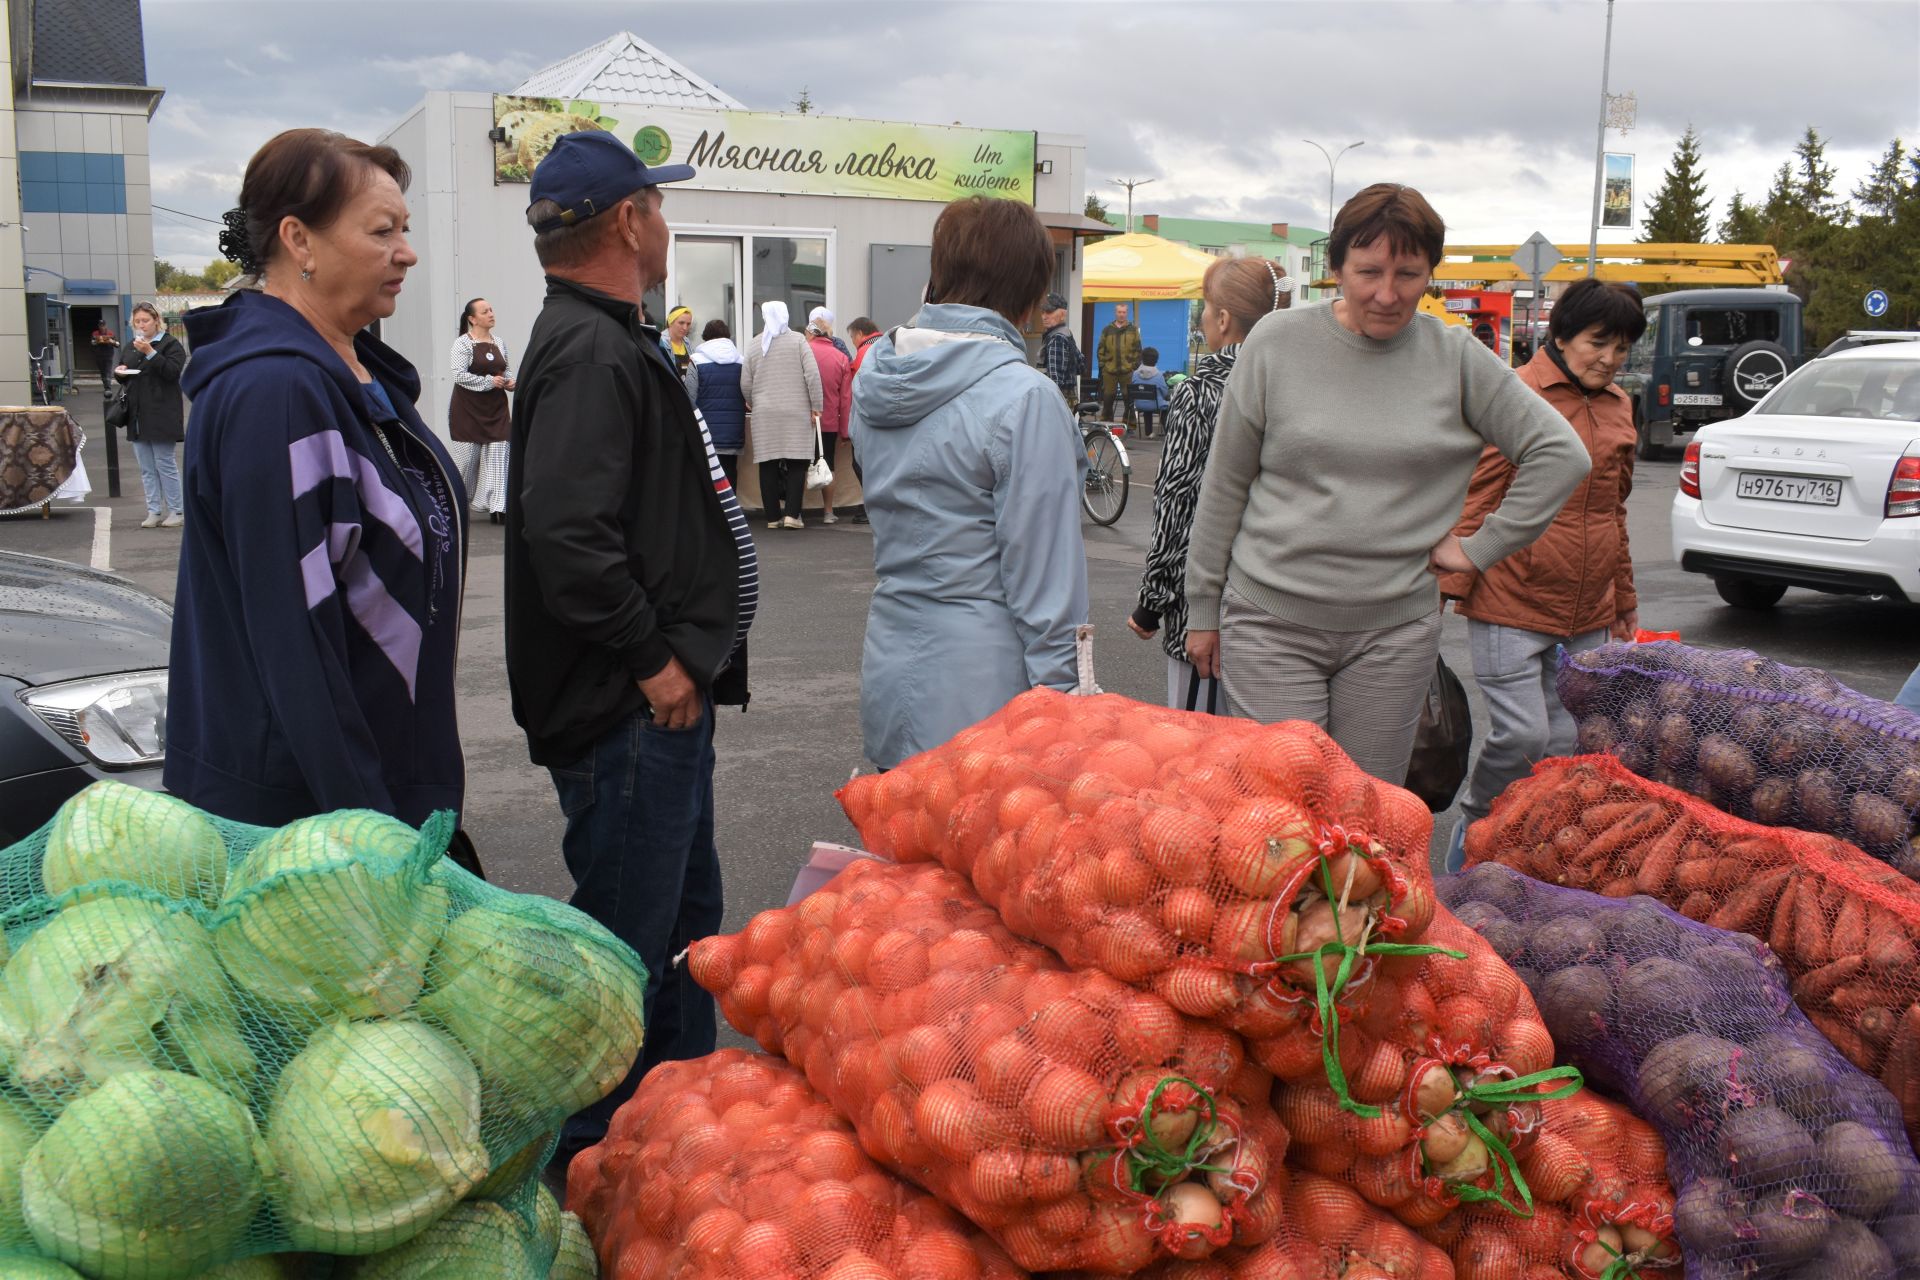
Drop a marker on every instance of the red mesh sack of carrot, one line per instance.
(1329, 1232)
(1602, 1206)
(1199, 857)
(732, 1166)
(1846, 927)
(1449, 1070)
(1785, 1157)
(1082, 1123)
(1783, 746)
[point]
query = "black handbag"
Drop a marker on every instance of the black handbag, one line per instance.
(1444, 741)
(119, 412)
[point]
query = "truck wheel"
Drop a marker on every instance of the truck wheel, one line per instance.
(1752, 370)
(1745, 593)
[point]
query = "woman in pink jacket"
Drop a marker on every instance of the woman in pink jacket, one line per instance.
(836, 394)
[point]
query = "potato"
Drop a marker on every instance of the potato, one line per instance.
(1573, 1003)
(1864, 1169)
(1727, 765)
(1819, 798)
(1685, 1077)
(1879, 825)
(1765, 1148)
(1851, 1251)
(1773, 802)
(1673, 739)
(1597, 735)
(1563, 941)
(1706, 1217)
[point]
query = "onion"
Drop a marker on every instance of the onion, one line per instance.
(1191, 1205)
(1595, 1258)
(1446, 1139)
(1366, 881)
(1470, 1163)
(1434, 1092)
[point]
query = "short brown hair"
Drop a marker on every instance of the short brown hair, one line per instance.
(990, 253)
(573, 243)
(861, 324)
(309, 174)
(1614, 308)
(1400, 214)
(1246, 289)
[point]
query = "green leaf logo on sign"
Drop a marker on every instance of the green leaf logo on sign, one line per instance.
(652, 145)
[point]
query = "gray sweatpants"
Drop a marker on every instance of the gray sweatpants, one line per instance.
(1525, 721)
(1365, 688)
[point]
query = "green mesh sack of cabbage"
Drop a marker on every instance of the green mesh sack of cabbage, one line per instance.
(223, 1045)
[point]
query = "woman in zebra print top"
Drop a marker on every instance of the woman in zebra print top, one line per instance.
(1237, 292)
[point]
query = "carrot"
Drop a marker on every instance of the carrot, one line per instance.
(1705, 871)
(1596, 818)
(1656, 869)
(1784, 920)
(1747, 910)
(1698, 906)
(1817, 987)
(1845, 1039)
(1810, 927)
(1642, 824)
(1876, 1025)
(1849, 936)
(1623, 887)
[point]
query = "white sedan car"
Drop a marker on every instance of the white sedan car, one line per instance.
(1819, 486)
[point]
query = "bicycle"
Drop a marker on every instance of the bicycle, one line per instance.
(42, 393)
(1109, 473)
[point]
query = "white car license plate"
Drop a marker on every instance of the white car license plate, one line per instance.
(1818, 493)
(1696, 400)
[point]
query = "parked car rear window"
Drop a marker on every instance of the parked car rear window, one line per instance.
(1731, 326)
(1887, 389)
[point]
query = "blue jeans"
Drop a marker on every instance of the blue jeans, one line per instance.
(159, 477)
(639, 845)
(1909, 695)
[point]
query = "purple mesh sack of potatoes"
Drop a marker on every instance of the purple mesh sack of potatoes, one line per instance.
(1782, 746)
(1789, 1163)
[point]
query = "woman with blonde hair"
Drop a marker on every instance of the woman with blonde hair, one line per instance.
(1235, 293)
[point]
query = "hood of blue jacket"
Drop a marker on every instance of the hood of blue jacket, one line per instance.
(947, 349)
(251, 324)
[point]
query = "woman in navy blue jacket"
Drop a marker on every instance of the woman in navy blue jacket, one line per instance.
(717, 363)
(318, 612)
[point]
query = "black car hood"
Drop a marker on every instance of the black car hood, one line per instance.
(61, 621)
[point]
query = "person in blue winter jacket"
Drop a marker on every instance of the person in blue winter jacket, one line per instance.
(318, 610)
(717, 364)
(1147, 390)
(973, 468)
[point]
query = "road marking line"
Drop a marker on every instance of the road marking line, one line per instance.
(102, 538)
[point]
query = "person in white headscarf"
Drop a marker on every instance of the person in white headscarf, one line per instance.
(836, 395)
(821, 321)
(783, 394)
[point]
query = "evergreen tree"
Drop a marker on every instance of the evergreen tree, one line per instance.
(1742, 223)
(1879, 193)
(1813, 178)
(1679, 212)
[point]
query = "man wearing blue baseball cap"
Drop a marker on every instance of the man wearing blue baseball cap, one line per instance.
(631, 581)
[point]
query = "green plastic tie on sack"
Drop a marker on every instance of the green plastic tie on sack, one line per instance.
(1508, 1093)
(1503, 1164)
(1152, 1157)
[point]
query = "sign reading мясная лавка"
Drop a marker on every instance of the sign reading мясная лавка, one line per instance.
(788, 154)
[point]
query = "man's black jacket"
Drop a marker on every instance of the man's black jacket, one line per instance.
(618, 552)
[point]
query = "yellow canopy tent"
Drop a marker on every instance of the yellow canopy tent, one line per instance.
(1140, 267)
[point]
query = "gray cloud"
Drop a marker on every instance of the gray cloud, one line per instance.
(1489, 107)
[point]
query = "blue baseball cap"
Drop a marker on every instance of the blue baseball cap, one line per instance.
(590, 171)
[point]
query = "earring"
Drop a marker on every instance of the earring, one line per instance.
(306, 273)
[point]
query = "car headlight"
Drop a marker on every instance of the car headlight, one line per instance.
(118, 721)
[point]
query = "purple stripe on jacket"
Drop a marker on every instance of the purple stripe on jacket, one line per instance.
(383, 618)
(324, 456)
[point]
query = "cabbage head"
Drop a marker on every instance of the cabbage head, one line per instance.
(20, 1128)
(376, 1130)
(512, 1174)
(476, 1240)
(574, 1259)
(27, 1267)
(331, 917)
(118, 984)
(152, 1176)
(552, 1021)
(112, 831)
(262, 1266)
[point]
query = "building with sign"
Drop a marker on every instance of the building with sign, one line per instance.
(811, 210)
(76, 222)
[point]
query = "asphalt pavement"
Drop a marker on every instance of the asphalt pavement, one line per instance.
(781, 761)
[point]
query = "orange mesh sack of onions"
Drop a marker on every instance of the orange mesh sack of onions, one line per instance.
(1602, 1206)
(1329, 1232)
(731, 1165)
(1082, 1123)
(1431, 1099)
(1198, 857)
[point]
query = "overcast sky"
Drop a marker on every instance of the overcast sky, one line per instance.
(1489, 108)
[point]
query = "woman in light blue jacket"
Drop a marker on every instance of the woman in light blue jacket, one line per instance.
(973, 469)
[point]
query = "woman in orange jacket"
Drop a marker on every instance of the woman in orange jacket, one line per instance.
(1572, 588)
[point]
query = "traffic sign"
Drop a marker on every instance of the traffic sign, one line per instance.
(1537, 256)
(1876, 303)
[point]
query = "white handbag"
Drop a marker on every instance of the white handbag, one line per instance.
(819, 473)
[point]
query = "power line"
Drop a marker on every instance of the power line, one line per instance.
(183, 214)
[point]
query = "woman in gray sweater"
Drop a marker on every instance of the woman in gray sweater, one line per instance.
(782, 390)
(1339, 466)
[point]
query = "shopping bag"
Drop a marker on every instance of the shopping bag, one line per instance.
(1443, 742)
(819, 473)
(118, 411)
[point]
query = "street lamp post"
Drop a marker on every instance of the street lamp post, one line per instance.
(1130, 184)
(1600, 148)
(1333, 162)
